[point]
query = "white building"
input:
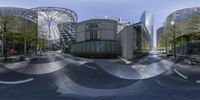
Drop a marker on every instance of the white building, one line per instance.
(96, 37)
(96, 29)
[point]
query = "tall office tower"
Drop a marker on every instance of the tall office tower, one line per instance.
(147, 20)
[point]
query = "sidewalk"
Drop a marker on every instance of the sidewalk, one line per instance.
(11, 58)
(16, 58)
(40, 65)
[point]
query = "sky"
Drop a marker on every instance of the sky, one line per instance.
(130, 10)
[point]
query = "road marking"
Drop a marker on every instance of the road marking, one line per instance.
(16, 82)
(185, 77)
(197, 81)
(126, 61)
(90, 67)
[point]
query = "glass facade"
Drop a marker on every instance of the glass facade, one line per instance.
(97, 48)
(184, 30)
(148, 20)
(143, 39)
(18, 28)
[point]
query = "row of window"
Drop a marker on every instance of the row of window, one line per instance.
(93, 35)
(93, 25)
(192, 48)
(185, 13)
(189, 25)
(95, 47)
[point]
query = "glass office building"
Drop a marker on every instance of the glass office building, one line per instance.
(147, 19)
(182, 28)
(67, 35)
(18, 28)
(56, 26)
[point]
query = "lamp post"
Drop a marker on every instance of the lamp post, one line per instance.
(165, 38)
(174, 37)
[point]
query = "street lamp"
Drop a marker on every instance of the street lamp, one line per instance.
(174, 37)
(165, 38)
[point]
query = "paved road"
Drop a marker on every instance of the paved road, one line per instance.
(186, 70)
(147, 67)
(77, 81)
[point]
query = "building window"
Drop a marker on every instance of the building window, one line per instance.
(93, 25)
(92, 31)
(93, 35)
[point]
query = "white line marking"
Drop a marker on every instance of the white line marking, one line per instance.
(16, 82)
(126, 61)
(185, 77)
(197, 81)
(90, 67)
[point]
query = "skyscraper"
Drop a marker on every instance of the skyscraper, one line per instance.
(147, 20)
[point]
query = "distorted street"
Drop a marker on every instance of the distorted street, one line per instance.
(75, 78)
(99, 50)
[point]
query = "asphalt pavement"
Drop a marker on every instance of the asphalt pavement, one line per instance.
(84, 79)
(146, 67)
(186, 70)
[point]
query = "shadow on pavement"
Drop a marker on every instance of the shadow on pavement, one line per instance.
(95, 77)
(41, 60)
(9, 75)
(149, 60)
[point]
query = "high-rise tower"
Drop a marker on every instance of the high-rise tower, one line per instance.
(147, 20)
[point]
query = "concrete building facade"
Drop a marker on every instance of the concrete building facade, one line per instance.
(160, 39)
(96, 37)
(110, 38)
(134, 41)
